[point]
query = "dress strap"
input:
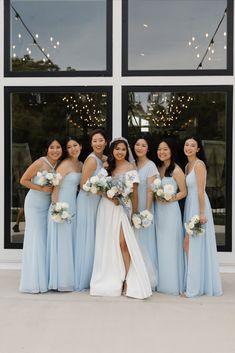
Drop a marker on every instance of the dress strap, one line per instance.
(46, 160)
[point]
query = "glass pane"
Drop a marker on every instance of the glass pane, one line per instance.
(58, 35)
(180, 114)
(37, 116)
(177, 34)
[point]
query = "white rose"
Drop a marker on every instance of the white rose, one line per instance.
(86, 187)
(191, 225)
(147, 215)
(167, 197)
(94, 179)
(94, 190)
(65, 215)
(157, 182)
(159, 192)
(42, 181)
(146, 223)
(58, 206)
(111, 192)
(39, 174)
(56, 182)
(188, 230)
(56, 218)
(168, 189)
(136, 221)
(102, 173)
(195, 219)
(50, 176)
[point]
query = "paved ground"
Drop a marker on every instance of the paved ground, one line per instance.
(77, 322)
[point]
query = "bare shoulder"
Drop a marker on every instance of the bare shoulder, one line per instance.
(130, 167)
(200, 166)
(178, 171)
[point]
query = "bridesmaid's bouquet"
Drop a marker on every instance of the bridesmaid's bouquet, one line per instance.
(59, 212)
(162, 192)
(97, 183)
(194, 226)
(49, 178)
(142, 219)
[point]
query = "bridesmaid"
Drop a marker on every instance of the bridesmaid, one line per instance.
(202, 269)
(34, 275)
(87, 204)
(169, 228)
(60, 241)
(146, 237)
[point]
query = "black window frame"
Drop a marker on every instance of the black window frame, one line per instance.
(84, 73)
(229, 139)
(218, 72)
(7, 139)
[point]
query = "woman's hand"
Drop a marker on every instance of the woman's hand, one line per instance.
(202, 218)
(47, 188)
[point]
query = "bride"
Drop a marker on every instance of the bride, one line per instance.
(119, 267)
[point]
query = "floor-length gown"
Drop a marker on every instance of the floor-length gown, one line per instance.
(202, 268)
(169, 230)
(147, 236)
(34, 277)
(87, 204)
(109, 269)
(60, 239)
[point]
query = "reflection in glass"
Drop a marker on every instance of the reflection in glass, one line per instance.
(177, 34)
(37, 116)
(180, 114)
(58, 35)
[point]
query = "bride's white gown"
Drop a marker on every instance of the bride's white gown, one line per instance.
(109, 269)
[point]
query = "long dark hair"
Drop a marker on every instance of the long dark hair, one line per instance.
(111, 160)
(201, 153)
(170, 143)
(65, 142)
(149, 154)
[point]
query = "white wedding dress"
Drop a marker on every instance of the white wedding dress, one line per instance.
(109, 269)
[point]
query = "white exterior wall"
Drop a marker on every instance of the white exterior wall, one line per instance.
(8, 256)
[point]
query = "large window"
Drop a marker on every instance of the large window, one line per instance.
(32, 116)
(179, 112)
(175, 37)
(58, 38)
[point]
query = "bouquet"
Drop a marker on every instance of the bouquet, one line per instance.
(162, 192)
(97, 183)
(49, 178)
(142, 219)
(120, 187)
(59, 212)
(194, 226)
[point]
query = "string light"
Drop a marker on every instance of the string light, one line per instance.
(212, 41)
(18, 17)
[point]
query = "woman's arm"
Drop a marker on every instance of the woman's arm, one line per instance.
(200, 171)
(149, 196)
(29, 174)
(134, 198)
(88, 170)
(179, 177)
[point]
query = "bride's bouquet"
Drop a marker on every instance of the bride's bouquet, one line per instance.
(142, 219)
(59, 212)
(194, 226)
(49, 178)
(97, 183)
(162, 192)
(121, 187)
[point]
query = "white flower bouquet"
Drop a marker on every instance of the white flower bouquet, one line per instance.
(49, 178)
(142, 219)
(162, 192)
(120, 188)
(97, 183)
(194, 227)
(59, 212)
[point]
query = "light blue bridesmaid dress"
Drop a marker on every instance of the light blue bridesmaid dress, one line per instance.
(87, 204)
(146, 237)
(169, 230)
(202, 268)
(60, 239)
(34, 274)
